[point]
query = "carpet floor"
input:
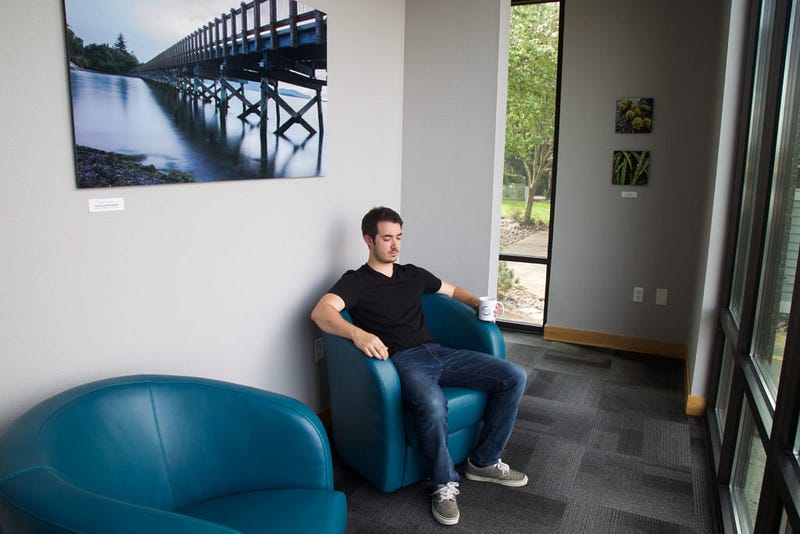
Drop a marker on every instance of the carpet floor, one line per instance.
(604, 440)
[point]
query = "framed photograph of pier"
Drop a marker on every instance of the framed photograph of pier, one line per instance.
(634, 115)
(631, 167)
(177, 91)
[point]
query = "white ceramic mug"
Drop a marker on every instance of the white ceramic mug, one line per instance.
(486, 309)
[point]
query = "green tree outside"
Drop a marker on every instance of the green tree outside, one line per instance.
(120, 43)
(531, 102)
(101, 57)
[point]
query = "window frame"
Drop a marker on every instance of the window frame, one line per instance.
(543, 260)
(776, 427)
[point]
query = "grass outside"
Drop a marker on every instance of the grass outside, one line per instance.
(515, 209)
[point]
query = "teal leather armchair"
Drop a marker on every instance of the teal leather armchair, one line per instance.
(168, 454)
(372, 431)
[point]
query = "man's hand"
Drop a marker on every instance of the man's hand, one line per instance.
(326, 315)
(370, 344)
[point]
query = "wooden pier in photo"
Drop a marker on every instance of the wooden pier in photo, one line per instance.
(264, 41)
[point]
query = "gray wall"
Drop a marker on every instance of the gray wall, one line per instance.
(714, 232)
(453, 134)
(604, 244)
(213, 279)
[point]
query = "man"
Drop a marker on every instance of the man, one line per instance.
(384, 299)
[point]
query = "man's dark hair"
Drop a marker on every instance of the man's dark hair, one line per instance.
(369, 224)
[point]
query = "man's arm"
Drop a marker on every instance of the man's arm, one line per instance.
(327, 316)
(460, 294)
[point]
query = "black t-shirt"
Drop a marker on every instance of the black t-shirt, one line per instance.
(390, 308)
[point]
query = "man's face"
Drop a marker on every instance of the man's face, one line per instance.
(386, 246)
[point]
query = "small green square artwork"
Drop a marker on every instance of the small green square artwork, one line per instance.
(634, 115)
(631, 167)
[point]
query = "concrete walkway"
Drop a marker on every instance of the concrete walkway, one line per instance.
(531, 276)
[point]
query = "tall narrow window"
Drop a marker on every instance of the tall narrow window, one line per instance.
(528, 173)
(754, 145)
(783, 237)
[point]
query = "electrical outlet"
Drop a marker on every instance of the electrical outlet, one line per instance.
(638, 294)
(661, 296)
(319, 350)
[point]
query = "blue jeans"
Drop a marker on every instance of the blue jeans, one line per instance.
(425, 369)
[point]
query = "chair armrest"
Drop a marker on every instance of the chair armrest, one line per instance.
(40, 500)
(366, 412)
(456, 325)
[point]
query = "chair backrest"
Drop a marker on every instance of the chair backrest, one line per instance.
(101, 437)
(160, 441)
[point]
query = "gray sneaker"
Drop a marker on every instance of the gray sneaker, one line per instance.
(443, 503)
(498, 473)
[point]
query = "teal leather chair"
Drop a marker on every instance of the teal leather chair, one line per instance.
(372, 431)
(168, 454)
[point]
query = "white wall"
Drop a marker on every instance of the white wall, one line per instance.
(453, 132)
(706, 318)
(214, 279)
(603, 244)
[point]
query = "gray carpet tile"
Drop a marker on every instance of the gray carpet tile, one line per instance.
(647, 401)
(604, 440)
(660, 441)
(527, 356)
(543, 416)
(701, 480)
(589, 363)
(561, 387)
(591, 518)
(493, 508)
(637, 487)
(648, 372)
(552, 465)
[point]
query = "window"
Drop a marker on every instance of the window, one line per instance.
(529, 162)
(756, 454)
(797, 444)
(783, 236)
(723, 395)
(748, 472)
(753, 159)
(785, 528)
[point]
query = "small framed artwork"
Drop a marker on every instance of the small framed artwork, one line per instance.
(631, 167)
(634, 115)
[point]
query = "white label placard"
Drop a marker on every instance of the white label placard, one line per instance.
(629, 194)
(106, 204)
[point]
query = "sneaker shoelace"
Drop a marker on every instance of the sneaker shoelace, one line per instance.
(447, 491)
(503, 467)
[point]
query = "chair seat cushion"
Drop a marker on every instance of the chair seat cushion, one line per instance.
(465, 408)
(286, 510)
